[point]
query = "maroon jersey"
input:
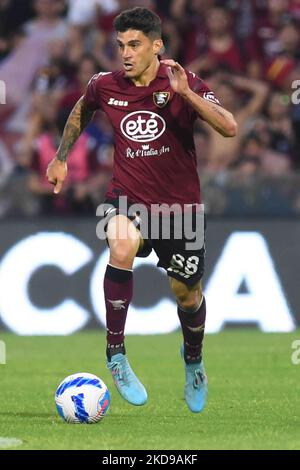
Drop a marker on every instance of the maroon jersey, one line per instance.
(155, 159)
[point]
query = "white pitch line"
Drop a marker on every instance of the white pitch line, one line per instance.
(9, 442)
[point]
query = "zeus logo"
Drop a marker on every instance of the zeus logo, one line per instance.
(143, 126)
(114, 102)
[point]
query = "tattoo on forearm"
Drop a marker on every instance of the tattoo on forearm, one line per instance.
(79, 118)
(218, 110)
(217, 126)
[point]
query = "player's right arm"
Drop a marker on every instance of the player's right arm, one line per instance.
(209, 109)
(77, 121)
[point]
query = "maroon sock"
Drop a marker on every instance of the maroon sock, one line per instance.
(118, 285)
(193, 325)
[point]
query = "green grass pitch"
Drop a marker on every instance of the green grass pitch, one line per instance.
(254, 400)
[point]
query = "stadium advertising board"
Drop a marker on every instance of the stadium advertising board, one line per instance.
(51, 275)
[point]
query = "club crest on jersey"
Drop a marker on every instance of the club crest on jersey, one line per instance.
(161, 98)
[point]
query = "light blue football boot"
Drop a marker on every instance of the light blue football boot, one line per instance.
(196, 385)
(128, 385)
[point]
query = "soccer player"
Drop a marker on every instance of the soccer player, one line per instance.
(152, 105)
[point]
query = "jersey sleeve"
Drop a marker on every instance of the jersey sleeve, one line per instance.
(201, 88)
(91, 96)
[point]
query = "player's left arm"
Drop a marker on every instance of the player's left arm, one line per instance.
(216, 116)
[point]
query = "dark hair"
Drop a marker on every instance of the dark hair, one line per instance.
(140, 19)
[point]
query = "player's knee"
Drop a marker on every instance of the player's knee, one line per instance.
(189, 301)
(123, 253)
(188, 298)
(189, 305)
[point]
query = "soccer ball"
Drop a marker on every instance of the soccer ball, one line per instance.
(82, 398)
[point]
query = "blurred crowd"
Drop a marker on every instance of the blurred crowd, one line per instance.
(246, 50)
